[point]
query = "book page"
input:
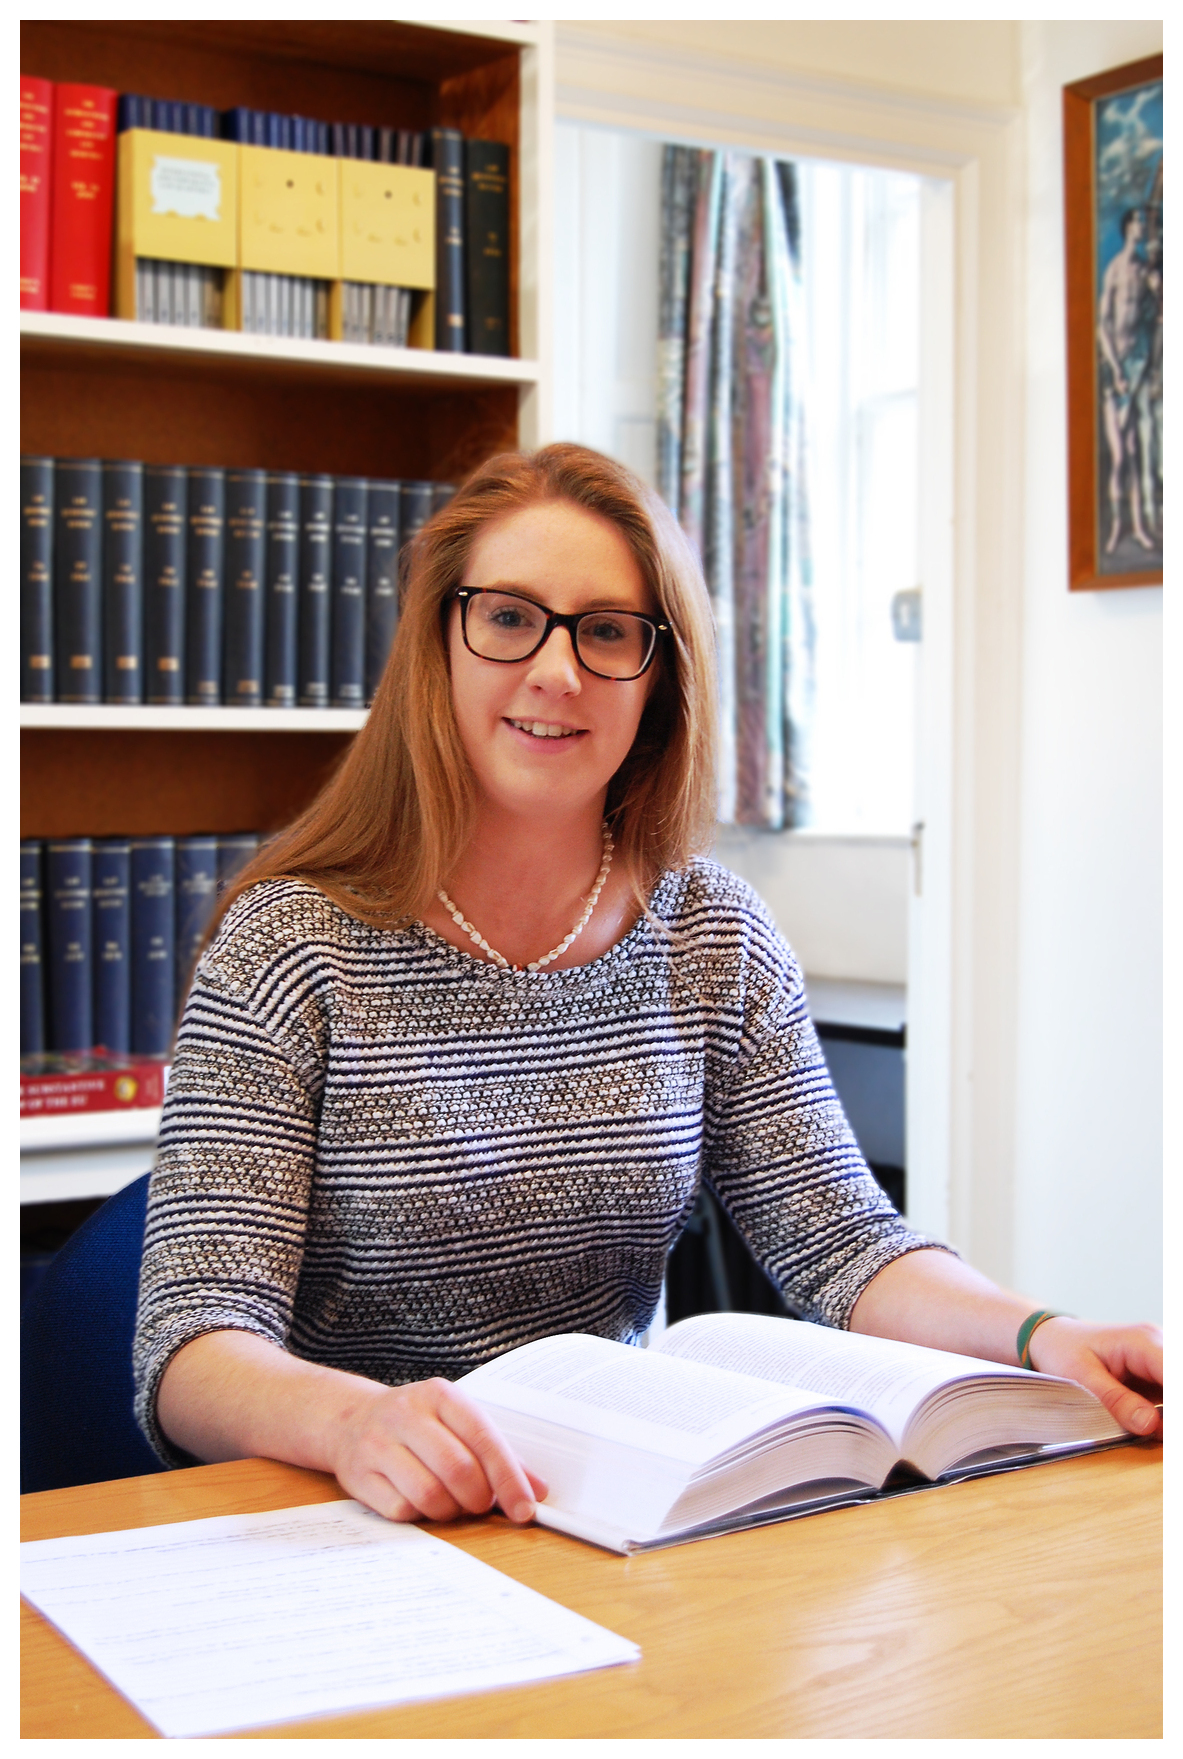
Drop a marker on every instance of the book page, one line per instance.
(246, 1620)
(685, 1411)
(876, 1375)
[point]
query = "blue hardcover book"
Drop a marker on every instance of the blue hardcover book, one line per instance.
(233, 854)
(282, 588)
(130, 112)
(197, 893)
(78, 579)
(37, 680)
(441, 494)
(315, 607)
(349, 591)
(381, 579)
(238, 124)
(69, 943)
(246, 556)
(153, 945)
(166, 502)
(123, 581)
(111, 929)
(33, 1040)
(205, 559)
(417, 506)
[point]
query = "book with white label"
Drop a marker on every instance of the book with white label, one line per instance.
(734, 1420)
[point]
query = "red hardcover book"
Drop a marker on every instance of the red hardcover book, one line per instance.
(83, 199)
(36, 144)
(56, 1084)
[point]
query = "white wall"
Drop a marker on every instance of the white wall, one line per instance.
(1088, 1140)
(1041, 1159)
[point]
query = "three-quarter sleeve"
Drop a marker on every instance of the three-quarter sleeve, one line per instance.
(781, 1156)
(228, 1199)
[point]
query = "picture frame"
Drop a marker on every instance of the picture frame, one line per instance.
(1113, 295)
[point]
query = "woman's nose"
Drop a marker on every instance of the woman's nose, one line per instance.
(555, 666)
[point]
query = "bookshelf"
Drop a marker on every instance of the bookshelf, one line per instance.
(107, 388)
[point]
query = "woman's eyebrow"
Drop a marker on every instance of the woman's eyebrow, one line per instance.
(527, 592)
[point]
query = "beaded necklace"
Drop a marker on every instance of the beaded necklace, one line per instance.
(556, 952)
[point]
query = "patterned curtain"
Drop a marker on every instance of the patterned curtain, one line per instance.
(731, 458)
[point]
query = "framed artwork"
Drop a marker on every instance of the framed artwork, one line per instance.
(1113, 279)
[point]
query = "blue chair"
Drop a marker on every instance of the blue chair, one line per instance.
(76, 1335)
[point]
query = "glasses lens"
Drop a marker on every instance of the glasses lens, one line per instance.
(614, 643)
(502, 627)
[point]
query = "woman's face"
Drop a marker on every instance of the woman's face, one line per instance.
(542, 734)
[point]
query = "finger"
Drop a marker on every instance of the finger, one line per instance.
(511, 1487)
(538, 1485)
(1135, 1414)
(376, 1492)
(421, 1487)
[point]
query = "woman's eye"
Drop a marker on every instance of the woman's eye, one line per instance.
(606, 631)
(506, 617)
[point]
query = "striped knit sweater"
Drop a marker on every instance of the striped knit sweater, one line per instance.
(391, 1157)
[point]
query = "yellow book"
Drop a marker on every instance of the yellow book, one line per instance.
(177, 202)
(288, 213)
(387, 224)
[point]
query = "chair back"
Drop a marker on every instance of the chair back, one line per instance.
(77, 1425)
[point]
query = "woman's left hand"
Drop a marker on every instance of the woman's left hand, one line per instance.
(1121, 1364)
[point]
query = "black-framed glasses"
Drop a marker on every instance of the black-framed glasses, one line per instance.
(505, 627)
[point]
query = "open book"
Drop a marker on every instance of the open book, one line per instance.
(732, 1420)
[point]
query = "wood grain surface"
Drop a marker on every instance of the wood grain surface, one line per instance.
(1025, 1605)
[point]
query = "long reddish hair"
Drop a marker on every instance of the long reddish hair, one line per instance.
(384, 833)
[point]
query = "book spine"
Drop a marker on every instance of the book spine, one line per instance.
(246, 556)
(111, 928)
(166, 501)
(316, 561)
(205, 558)
(153, 945)
(68, 920)
(197, 892)
(123, 581)
(36, 184)
(83, 199)
(33, 1040)
(233, 854)
(447, 158)
(37, 679)
(349, 592)
(441, 494)
(486, 187)
(77, 579)
(381, 579)
(283, 588)
(416, 503)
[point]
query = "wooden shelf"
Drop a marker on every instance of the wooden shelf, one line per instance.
(62, 340)
(103, 717)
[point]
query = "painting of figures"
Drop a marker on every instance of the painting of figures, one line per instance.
(1113, 229)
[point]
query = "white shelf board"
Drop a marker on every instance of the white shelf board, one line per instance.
(518, 31)
(69, 1174)
(157, 345)
(839, 1002)
(63, 1130)
(106, 717)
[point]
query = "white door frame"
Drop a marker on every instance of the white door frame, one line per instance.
(963, 921)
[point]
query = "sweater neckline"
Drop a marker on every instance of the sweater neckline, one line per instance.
(614, 955)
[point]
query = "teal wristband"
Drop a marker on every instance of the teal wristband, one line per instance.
(1026, 1332)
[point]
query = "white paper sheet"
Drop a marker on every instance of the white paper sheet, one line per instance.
(244, 1620)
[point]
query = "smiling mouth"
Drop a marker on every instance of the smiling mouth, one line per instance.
(546, 729)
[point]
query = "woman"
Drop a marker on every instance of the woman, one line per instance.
(470, 1032)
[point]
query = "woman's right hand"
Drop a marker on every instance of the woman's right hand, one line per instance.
(426, 1451)
(423, 1450)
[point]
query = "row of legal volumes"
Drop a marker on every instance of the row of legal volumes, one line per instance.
(249, 220)
(167, 584)
(111, 928)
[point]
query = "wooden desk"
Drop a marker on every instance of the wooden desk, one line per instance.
(1023, 1605)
